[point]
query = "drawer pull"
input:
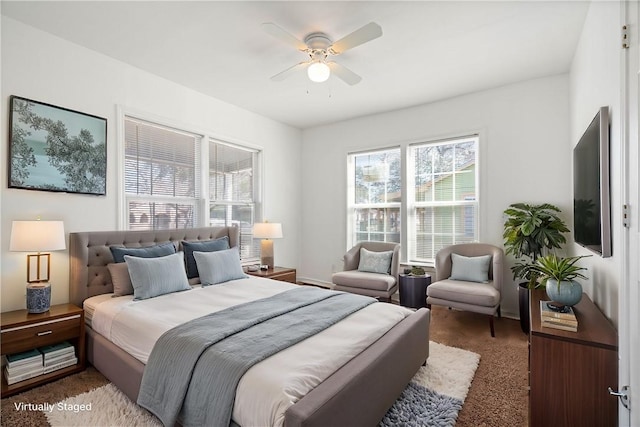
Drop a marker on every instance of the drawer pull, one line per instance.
(44, 333)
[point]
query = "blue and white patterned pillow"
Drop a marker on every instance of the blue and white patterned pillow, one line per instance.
(375, 262)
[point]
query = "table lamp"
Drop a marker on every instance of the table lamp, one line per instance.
(37, 236)
(267, 231)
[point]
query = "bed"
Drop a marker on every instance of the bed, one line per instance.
(358, 393)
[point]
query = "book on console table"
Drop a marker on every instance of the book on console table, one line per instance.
(549, 318)
(545, 311)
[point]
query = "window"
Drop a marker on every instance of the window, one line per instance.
(233, 196)
(441, 203)
(167, 188)
(443, 196)
(375, 187)
(161, 176)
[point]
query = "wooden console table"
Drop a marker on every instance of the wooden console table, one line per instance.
(569, 372)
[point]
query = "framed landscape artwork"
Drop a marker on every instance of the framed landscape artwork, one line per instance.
(56, 149)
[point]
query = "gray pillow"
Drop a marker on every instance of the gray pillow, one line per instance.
(470, 269)
(375, 262)
(120, 279)
(220, 266)
(201, 246)
(152, 277)
(163, 249)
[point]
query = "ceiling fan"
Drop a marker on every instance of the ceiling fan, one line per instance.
(319, 47)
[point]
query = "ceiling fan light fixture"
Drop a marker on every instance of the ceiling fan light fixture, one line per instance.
(318, 72)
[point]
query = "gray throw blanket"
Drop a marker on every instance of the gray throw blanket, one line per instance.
(194, 369)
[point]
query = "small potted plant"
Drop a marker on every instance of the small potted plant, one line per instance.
(530, 231)
(414, 271)
(558, 276)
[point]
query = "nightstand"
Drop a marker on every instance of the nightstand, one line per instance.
(21, 331)
(276, 273)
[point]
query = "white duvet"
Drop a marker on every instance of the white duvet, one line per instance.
(269, 387)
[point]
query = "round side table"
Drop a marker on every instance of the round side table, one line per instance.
(413, 290)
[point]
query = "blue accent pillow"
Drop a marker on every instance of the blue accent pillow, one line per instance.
(375, 262)
(219, 267)
(201, 246)
(163, 249)
(470, 269)
(152, 277)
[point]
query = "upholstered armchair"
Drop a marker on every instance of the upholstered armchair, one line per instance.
(366, 279)
(468, 277)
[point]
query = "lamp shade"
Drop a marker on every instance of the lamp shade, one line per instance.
(267, 230)
(37, 236)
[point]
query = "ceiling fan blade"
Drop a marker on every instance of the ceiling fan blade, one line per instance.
(279, 33)
(368, 32)
(342, 72)
(286, 73)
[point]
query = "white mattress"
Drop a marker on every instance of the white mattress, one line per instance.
(271, 386)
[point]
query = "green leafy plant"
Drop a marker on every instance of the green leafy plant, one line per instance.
(558, 268)
(530, 232)
(417, 271)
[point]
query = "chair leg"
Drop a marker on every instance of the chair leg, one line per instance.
(493, 333)
(499, 314)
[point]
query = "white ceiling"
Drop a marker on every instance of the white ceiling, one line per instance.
(429, 50)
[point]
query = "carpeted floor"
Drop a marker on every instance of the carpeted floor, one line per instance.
(498, 395)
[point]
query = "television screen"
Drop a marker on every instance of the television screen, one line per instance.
(591, 207)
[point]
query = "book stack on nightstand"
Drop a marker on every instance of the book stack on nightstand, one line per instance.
(564, 320)
(32, 363)
(58, 356)
(22, 366)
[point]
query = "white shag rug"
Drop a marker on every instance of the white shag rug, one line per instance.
(448, 374)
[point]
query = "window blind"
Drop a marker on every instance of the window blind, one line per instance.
(162, 176)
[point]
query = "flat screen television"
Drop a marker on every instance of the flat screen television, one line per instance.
(591, 195)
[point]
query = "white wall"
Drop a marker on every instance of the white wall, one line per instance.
(45, 68)
(524, 130)
(595, 82)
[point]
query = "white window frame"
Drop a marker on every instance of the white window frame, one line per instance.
(256, 202)
(413, 205)
(407, 203)
(203, 202)
(352, 206)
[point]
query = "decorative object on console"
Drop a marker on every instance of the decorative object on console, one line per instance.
(37, 236)
(530, 231)
(267, 231)
(558, 275)
(56, 149)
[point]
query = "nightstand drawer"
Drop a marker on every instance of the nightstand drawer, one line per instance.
(27, 337)
(286, 277)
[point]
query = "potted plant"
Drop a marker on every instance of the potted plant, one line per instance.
(531, 231)
(558, 276)
(414, 271)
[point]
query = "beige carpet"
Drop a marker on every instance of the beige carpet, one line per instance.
(498, 395)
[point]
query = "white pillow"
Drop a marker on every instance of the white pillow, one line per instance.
(152, 277)
(219, 266)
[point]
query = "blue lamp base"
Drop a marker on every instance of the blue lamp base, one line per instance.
(38, 297)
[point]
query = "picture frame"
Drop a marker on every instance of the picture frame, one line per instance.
(57, 149)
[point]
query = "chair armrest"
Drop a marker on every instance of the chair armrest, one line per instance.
(352, 258)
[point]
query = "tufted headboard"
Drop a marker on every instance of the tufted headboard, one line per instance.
(89, 254)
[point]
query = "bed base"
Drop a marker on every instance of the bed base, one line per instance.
(357, 394)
